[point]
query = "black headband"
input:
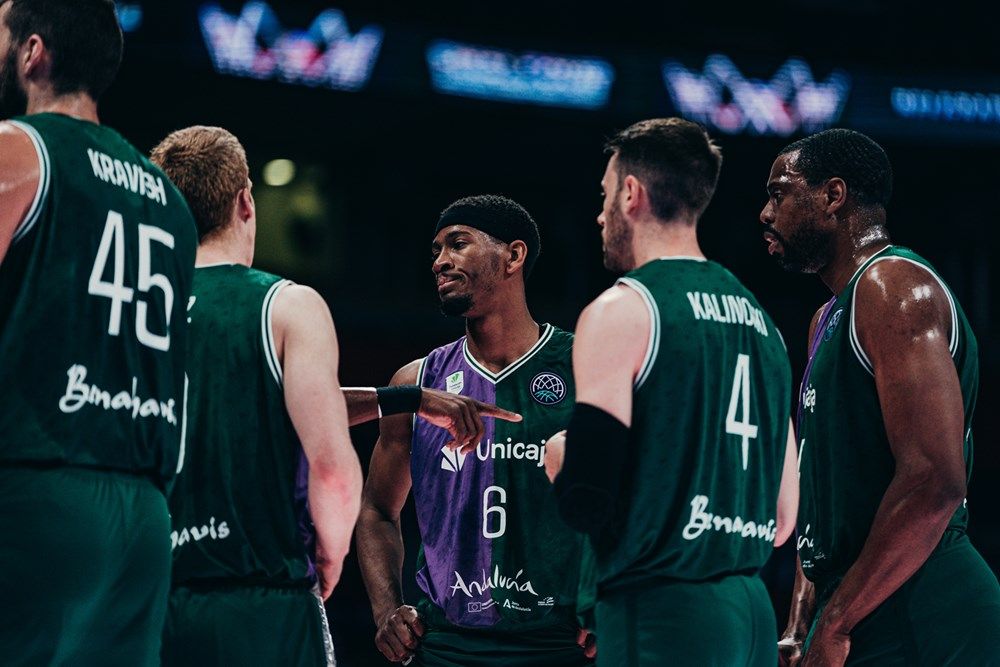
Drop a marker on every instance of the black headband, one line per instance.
(501, 228)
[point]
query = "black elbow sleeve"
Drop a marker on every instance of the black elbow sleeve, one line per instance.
(588, 485)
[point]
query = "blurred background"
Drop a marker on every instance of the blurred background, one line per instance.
(364, 119)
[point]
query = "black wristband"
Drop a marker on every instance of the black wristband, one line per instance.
(403, 399)
(587, 486)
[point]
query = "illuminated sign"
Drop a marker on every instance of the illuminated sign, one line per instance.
(949, 106)
(129, 16)
(254, 44)
(536, 78)
(721, 97)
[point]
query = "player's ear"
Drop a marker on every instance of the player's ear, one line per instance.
(518, 253)
(245, 208)
(631, 193)
(834, 194)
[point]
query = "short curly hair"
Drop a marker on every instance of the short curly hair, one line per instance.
(849, 155)
(500, 217)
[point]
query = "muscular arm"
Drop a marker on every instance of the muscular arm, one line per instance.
(605, 363)
(586, 462)
(380, 542)
(460, 415)
(803, 607)
(307, 346)
(903, 319)
(19, 174)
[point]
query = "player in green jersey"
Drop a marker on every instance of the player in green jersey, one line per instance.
(96, 260)
(679, 441)
(499, 574)
(250, 542)
(886, 573)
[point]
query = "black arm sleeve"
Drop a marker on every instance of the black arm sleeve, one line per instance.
(587, 487)
(399, 400)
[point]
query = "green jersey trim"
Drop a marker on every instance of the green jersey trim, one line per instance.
(44, 177)
(420, 383)
(653, 346)
(856, 342)
(331, 661)
(506, 372)
(267, 333)
(184, 424)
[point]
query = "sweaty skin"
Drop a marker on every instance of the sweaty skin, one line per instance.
(903, 320)
(904, 324)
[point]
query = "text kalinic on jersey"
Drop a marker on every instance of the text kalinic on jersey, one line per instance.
(127, 175)
(727, 309)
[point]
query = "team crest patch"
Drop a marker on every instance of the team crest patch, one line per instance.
(548, 388)
(455, 382)
(834, 321)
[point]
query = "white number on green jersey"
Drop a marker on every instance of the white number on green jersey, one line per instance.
(114, 232)
(498, 510)
(741, 396)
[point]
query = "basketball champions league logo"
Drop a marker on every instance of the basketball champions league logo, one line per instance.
(548, 388)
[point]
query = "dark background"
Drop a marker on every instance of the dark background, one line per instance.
(377, 165)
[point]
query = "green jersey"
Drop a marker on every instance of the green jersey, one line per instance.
(708, 436)
(238, 507)
(844, 458)
(92, 297)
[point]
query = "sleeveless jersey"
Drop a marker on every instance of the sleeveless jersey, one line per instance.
(709, 432)
(92, 297)
(238, 507)
(844, 457)
(495, 553)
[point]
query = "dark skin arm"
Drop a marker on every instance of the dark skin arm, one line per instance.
(904, 325)
(461, 416)
(379, 540)
(800, 615)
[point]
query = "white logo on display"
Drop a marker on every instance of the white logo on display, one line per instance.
(197, 533)
(702, 521)
(548, 388)
(809, 399)
(79, 393)
(453, 459)
(455, 382)
(480, 587)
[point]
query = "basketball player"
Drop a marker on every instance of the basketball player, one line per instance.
(96, 259)
(679, 438)
(269, 479)
(497, 570)
(887, 575)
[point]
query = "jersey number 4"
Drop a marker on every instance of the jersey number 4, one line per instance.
(741, 396)
(114, 232)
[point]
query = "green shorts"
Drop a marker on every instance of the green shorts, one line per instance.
(947, 613)
(456, 647)
(702, 624)
(246, 625)
(85, 558)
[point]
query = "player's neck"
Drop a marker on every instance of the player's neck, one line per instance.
(211, 253)
(503, 335)
(654, 240)
(851, 251)
(77, 105)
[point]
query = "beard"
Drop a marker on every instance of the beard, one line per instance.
(618, 255)
(456, 306)
(13, 101)
(806, 250)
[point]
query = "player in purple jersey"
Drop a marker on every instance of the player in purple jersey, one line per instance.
(498, 571)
